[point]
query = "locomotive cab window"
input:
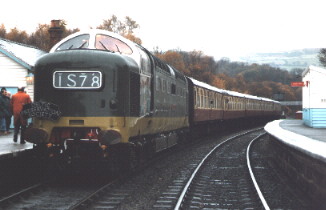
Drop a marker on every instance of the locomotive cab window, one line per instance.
(78, 42)
(105, 42)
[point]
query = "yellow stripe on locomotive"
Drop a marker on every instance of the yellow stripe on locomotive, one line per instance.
(100, 128)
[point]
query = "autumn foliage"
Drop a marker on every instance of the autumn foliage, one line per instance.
(254, 79)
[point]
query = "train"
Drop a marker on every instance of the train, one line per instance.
(98, 96)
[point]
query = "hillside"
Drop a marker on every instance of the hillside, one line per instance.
(286, 60)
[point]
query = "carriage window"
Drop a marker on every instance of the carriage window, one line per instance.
(198, 99)
(204, 99)
(195, 98)
(105, 42)
(200, 93)
(216, 100)
(77, 42)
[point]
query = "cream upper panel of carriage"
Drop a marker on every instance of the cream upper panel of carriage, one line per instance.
(206, 96)
(209, 97)
(227, 92)
(206, 86)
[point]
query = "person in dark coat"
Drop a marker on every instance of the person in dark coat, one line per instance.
(3, 113)
(6, 96)
(17, 102)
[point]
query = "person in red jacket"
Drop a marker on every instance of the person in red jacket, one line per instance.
(17, 102)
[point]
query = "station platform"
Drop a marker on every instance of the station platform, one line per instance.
(10, 149)
(311, 141)
(300, 152)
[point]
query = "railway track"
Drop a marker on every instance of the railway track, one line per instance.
(113, 199)
(222, 181)
(226, 178)
(55, 194)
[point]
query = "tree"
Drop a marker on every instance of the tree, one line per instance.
(124, 28)
(175, 59)
(133, 38)
(296, 72)
(130, 25)
(322, 56)
(17, 36)
(218, 82)
(3, 31)
(41, 37)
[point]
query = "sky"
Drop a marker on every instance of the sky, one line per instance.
(218, 28)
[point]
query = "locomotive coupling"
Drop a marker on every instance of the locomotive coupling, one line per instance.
(107, 137)
(36, 135)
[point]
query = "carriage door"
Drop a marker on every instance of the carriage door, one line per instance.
(211, 104)
(145, 84)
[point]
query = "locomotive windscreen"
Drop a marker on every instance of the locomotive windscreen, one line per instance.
(75, 43)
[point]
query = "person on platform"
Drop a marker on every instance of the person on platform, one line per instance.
(6, 97)
(17, 102)
(8, 118)
(3, 114)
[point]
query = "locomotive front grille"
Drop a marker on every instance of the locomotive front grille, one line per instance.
(76, 122)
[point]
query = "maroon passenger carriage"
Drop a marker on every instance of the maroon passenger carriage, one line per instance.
(210, 106)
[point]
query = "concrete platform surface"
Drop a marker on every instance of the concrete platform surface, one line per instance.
(9, 149)
(311, 141)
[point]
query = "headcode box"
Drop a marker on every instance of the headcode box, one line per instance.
(314, 97)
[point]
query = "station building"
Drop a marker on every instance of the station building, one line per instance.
(314, 97)
(16, 65)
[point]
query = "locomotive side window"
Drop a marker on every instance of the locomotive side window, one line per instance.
(164, 86)
(77, 42)
(145, 64)
(158, 84)
(105, 42)
(145, 95)
(173, 89)
(168, 87)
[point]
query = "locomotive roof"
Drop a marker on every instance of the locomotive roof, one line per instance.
(91, 45)
(228, 92)
(93, 32)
